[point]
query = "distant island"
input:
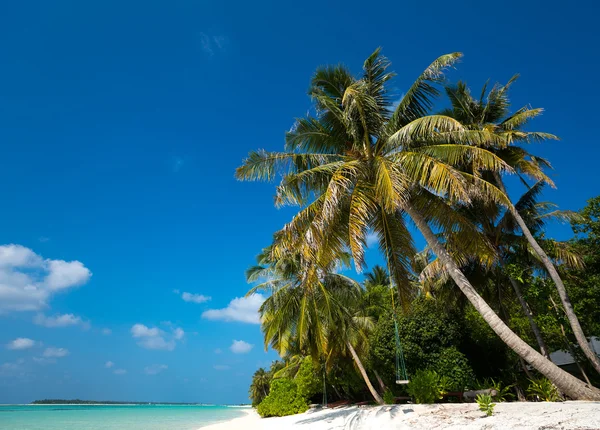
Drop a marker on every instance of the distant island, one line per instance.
(103, 402)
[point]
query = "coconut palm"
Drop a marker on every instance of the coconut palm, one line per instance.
(322, 316)
(360, 164)
(491, 113)
(259, 388)
(507, 245)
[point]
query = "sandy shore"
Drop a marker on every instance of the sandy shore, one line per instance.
(547, 416)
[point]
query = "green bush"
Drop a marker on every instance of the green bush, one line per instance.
(282, 400)
(308, 379)
(388, 397)
(454, 365)
(542, 389)
(426, 386)
(485, 404)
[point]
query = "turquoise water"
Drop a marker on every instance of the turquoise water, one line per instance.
(112, 417)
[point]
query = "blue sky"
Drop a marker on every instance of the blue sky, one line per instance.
(121, 124)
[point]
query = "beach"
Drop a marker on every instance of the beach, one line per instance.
(514, 415)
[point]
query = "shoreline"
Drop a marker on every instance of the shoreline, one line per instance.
(452, 416)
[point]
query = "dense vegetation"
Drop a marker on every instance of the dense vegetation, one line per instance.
(486, 301)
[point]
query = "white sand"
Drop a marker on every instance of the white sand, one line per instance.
(516, 415)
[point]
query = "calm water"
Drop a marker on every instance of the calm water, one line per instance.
(100, 417)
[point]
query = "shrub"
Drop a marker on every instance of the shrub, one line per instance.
(388, 397)
(426, 386)
(283, 399)
(485, 404)
(456, 368)
(307, 379)
(542, 389)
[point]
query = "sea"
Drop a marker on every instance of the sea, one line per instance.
(113, 417)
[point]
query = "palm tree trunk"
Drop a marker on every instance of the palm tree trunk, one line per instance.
(560, 286)
(566, 382)
(380, 381)
(568, 344)
(363, 372)
(527, 311)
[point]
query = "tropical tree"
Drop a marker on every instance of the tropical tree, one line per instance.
(323, 317)
(492, 114)
(259, 388)
(361, 164)
(508, 248)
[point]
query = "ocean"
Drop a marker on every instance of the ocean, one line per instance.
(113, 417)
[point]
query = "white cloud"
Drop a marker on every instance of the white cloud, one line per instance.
(242, 309)
(64, 320)
(106, 331)
(221, 367)
(119, 371)
(155, 369)
(372, 239)
(140, 330)
(21, 343)
(42, 360)
(194, 298)
(27, 281)
(55, 352)
(178, 333)
(218, 351)
(155, 338)
(240, 347)
(212, 43)
(109, 364)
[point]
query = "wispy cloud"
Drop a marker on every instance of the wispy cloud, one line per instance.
(106, 331)
(28, 280)
(155, 338)
(155, 369)
(212, 44)
(240, 347)
(58, 320)
(218, 351)
(109, 364)
(21, 343)
(372, 239)
(194, 298)
(55, 352)
(221, 367)
(241, 309)
(119, 371)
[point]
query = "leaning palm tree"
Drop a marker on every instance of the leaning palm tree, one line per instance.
(321, 316)
(492, 114)
(506, 245)
(361, 165)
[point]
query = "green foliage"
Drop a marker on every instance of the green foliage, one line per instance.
(503, 392)
(388, 397)
(283, 400)
(425, 331)
(485, 404)
(426, 386)
(259, 388)
(454, 366)
(308, 380)
(543, 390)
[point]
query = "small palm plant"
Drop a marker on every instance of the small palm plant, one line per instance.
(543, 390)
(485, 403)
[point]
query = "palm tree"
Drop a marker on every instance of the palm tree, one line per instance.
(259, 388)
(503, 244)
(360, 165)
(321, 317)
(492, 114)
